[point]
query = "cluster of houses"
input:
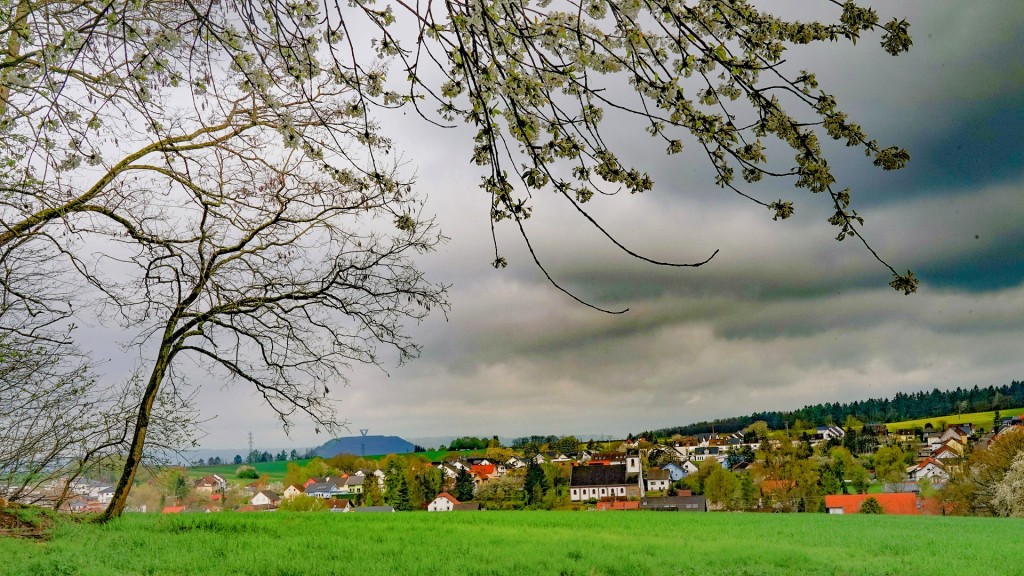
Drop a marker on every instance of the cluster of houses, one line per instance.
(608, 480)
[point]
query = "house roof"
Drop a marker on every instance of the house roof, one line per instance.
(448, 497)
(355, 480)
(466, 507)
(325, 487)
(619, 505)
(173, 509)
(924, 464)
(658, 474)
(598, 476)
(675, 503)
(899, 503)
(484, 469)
(777, 485)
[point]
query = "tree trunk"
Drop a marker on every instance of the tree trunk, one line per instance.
(134, 459)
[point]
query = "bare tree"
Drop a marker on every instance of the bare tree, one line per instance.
(59, 421)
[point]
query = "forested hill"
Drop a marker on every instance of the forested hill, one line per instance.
(900, 407)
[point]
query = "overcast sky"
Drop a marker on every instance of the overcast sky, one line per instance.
(784, 316)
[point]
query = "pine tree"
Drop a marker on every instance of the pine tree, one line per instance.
(464, 486)
(535, 483)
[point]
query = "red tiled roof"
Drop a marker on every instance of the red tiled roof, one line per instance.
(173, 509)
(899, 503)
(619, 505)
(449, 497)
(483, 469)
(777, 485)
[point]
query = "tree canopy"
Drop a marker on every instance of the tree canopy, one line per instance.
(211, 175)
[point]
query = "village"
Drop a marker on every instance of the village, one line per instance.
(823, 469)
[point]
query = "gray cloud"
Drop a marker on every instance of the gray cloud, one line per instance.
(783, 316)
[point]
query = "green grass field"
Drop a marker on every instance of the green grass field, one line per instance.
(978, 419)
(524, 543)
(274, 470)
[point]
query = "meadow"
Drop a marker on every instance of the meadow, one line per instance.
(978, 419)
(523, 543)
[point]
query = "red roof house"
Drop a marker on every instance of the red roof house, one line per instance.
(899, 503)
(619, 505)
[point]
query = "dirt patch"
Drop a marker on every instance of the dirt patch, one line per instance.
(25, 522)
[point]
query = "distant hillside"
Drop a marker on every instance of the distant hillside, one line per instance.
(902, 406)
(364, 445)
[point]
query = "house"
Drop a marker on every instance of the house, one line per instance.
(354, 484)
(322, 490)
(902, 503)
(944, 452)
(557, 457)
(955, 445)
(444, 502)
(485, 471)
(675, 504)
(702, 453)
(928, 468)
(339, 505)
(210, 484)
(875, 429)
(906, 436)
(618, 505)
(776, 488)
(314, 480)
(826, 433)
(658, 479)
(587, 482)
(291, 492)
(378, 474)
(448, 470)
(105, 495)
(961, 432)
(675, 471)
(516, 462)
(466, 507)
(173, 510)
(265, 498)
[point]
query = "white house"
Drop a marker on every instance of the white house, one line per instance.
(444, 502)
(322, 490)
(264, 498)
(658, 479)
(106, 495)
(516, 462)
(291, 492)
(928, 468)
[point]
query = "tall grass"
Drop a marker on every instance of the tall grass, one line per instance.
(524, 543)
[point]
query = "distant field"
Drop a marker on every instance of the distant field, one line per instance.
(523, 544)
(275, 470)
(978, 419)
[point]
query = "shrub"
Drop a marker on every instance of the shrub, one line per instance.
(871, 506)
(247, 472)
